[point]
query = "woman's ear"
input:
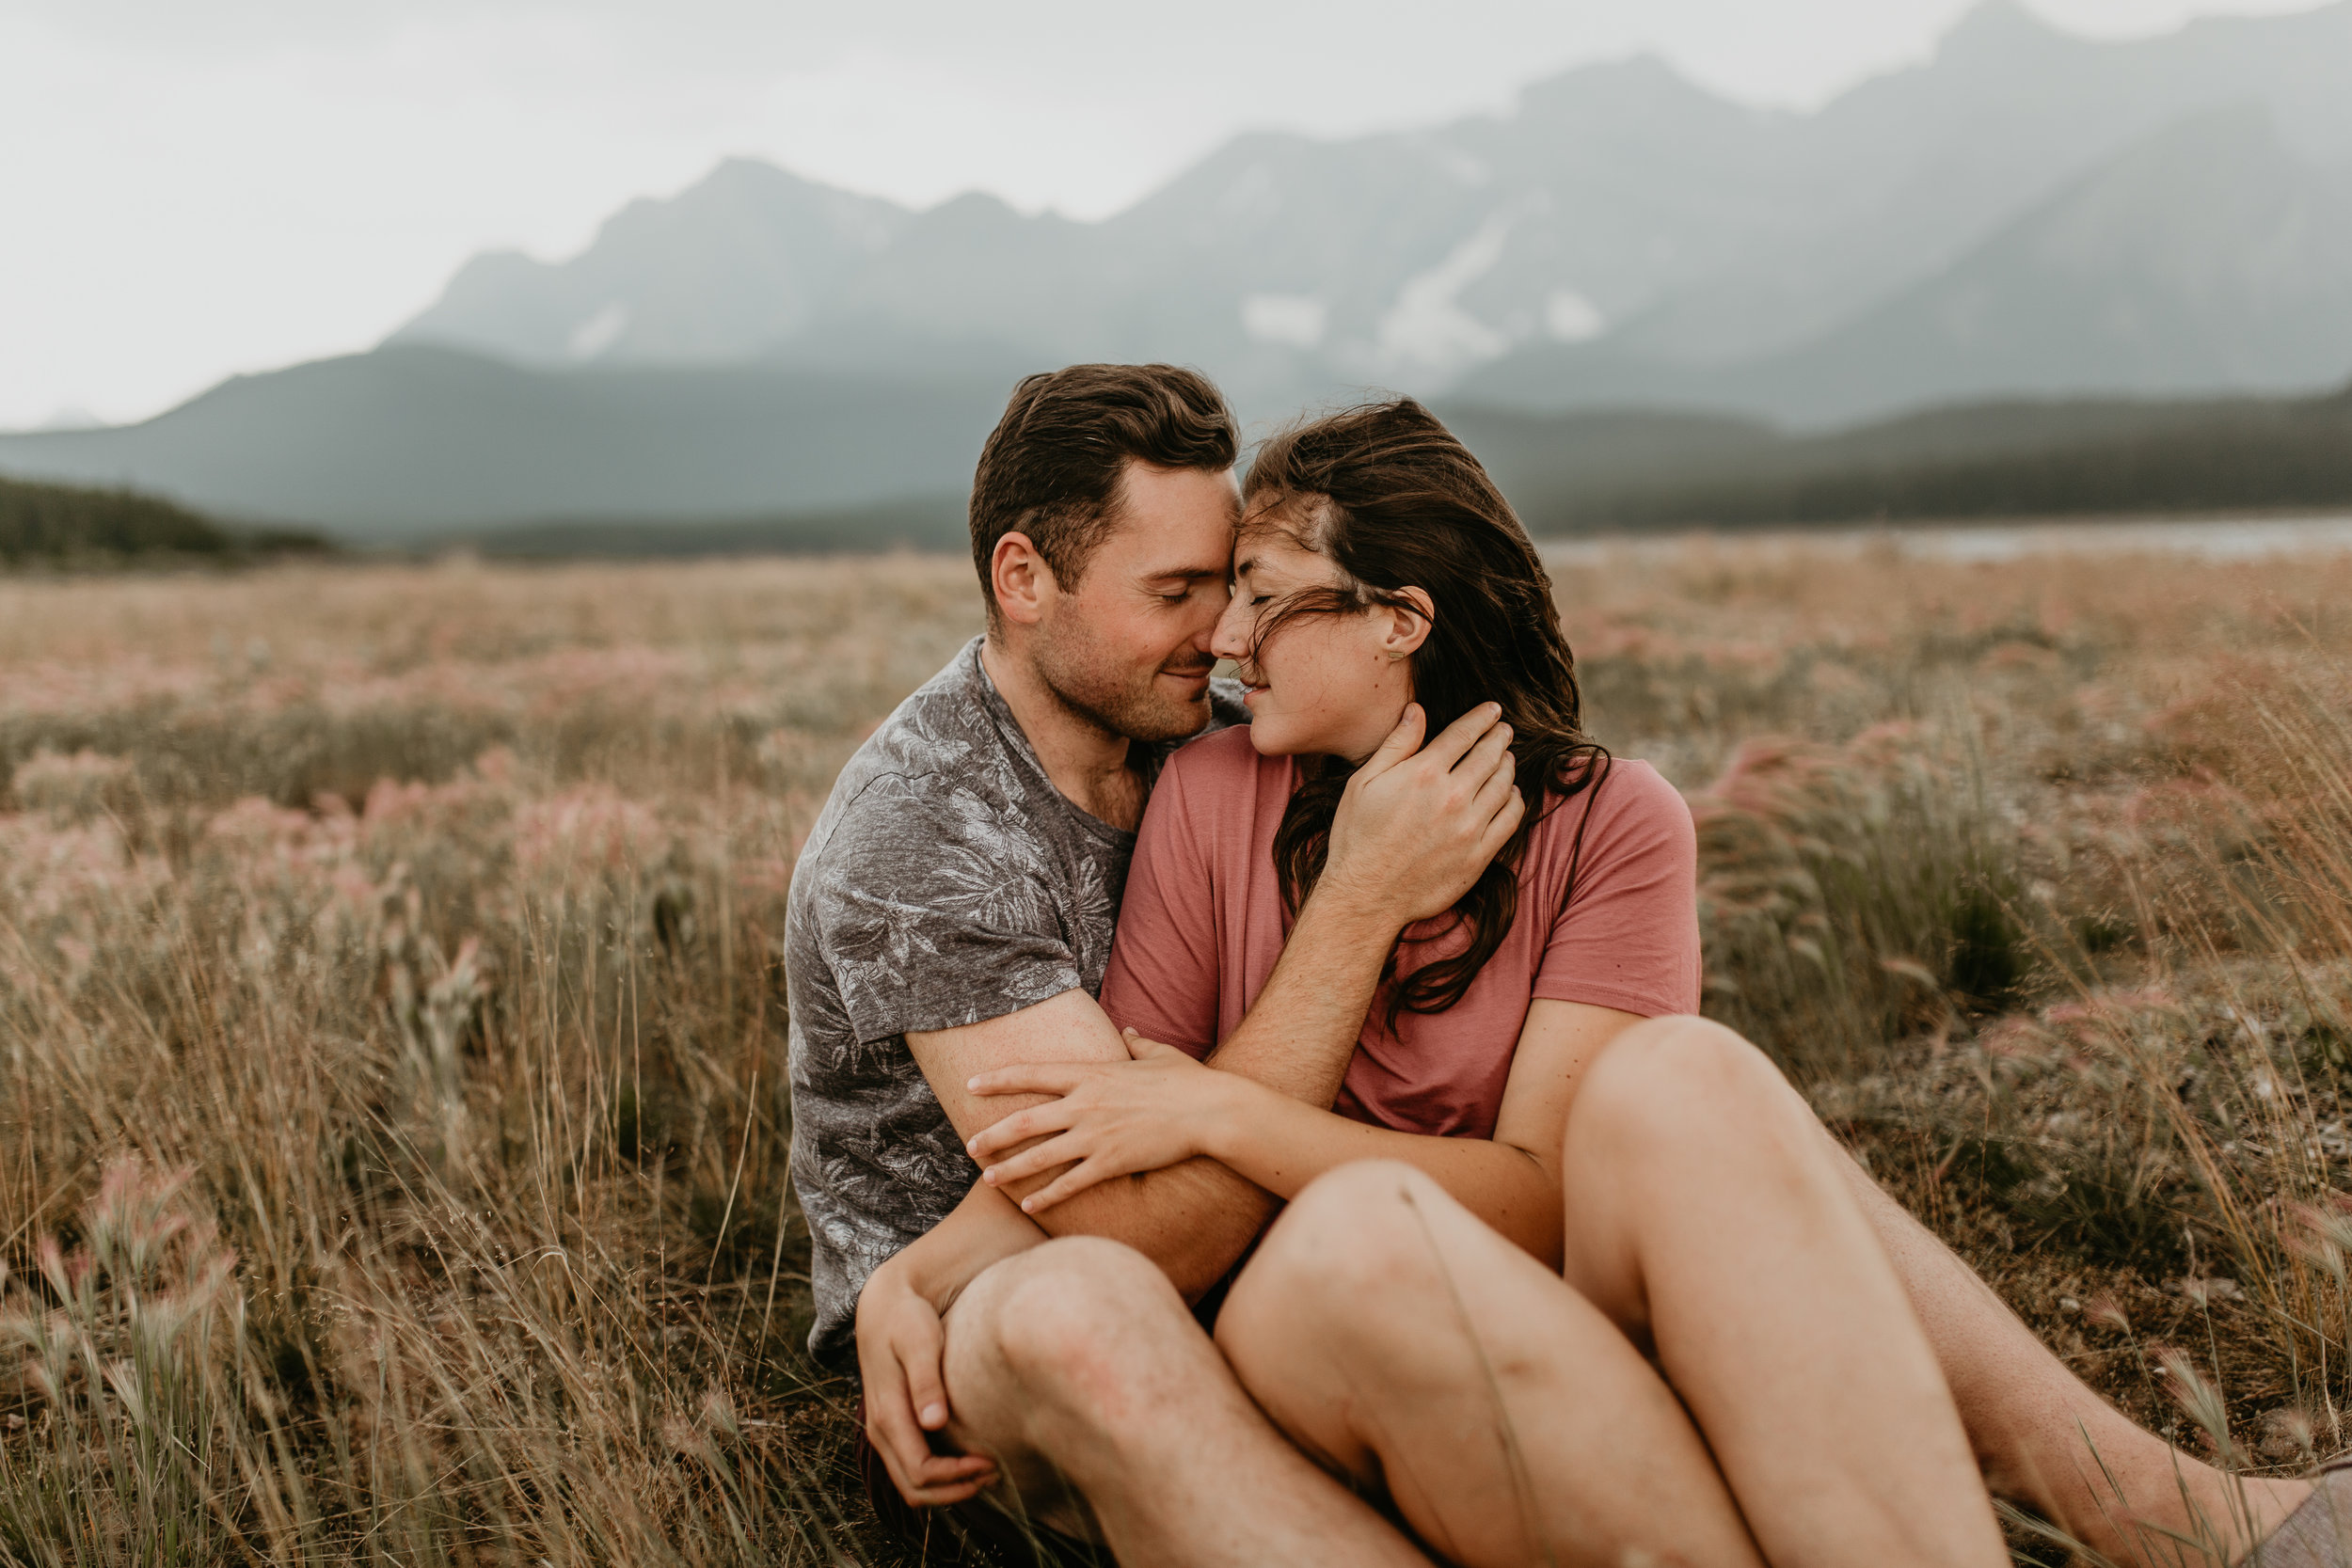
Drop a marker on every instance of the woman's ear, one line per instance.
(1406, 626)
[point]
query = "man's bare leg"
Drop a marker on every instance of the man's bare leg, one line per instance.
(2046, 1440)
(1078, 1367)
(1704, 1218)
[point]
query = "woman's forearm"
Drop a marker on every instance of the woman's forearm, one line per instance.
(1281, 1144)
(986, 1228)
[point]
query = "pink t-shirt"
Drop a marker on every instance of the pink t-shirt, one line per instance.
(1202, 924)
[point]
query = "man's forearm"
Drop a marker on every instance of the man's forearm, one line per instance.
(986, 1228)
(1194, 1220)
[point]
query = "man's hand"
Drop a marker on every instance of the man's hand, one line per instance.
(900, 1344)
(1419, 824)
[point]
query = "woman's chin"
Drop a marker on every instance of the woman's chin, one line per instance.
(1273, 738)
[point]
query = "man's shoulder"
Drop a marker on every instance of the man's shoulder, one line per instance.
(923, 763)
(1226, 707)
(938, 729)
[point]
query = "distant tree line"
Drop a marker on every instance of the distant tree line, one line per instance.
(69, 526)
(2248, 456)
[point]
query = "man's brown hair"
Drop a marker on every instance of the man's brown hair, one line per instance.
(1053, 466)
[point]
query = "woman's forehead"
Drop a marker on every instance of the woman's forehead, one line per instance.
(1276, 552)
(1307, 513)
(1277, 535)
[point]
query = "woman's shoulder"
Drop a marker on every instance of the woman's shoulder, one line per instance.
(1626, 803)
(1221, 757)
(1207, 790)
(1641, 788)
(1202, 780)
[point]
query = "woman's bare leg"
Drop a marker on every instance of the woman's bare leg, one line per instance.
(1710, 1218)
(2046, 1440)
(1402, 1343)
(1509, 1414)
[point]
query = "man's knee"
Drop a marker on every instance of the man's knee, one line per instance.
(1351, 1256)
(1668, 1085)
(1076, 1320)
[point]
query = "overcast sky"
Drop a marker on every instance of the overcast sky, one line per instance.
(193, 187)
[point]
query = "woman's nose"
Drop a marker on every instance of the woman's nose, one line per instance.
(1232, 638)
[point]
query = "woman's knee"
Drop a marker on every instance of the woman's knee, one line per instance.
(1670, 1085)
(1357, 1227)
(1352, 1254)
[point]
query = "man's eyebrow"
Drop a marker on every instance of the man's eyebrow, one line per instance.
(1186, 574)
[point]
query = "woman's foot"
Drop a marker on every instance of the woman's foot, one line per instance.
(2162, 1509)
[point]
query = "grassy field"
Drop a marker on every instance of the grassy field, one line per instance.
(391, 1039)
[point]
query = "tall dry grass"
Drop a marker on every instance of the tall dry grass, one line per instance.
(391, 1117)
(391, 1059)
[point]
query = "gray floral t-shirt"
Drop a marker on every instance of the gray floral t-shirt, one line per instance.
(947, 882)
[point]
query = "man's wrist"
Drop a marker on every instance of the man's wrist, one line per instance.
(1354, 910)
(900, 1272)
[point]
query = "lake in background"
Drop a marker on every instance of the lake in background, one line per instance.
(2244, 538)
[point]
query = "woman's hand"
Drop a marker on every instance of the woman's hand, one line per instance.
(1418, 824)
(1159, 1108)
(900, 1347)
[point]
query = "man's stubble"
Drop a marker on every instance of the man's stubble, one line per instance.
(1115, 697)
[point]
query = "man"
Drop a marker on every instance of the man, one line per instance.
(952, 913)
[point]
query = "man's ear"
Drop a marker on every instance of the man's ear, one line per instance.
(1406, 625)
(1023, 583)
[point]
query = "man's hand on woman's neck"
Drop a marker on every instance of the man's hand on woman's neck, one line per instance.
(1092, 765)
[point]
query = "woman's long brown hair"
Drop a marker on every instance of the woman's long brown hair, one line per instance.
(1390, 496)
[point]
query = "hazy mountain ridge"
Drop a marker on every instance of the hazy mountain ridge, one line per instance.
(2207, 258)
(1620, 224)
(414, 439)
(741, 257)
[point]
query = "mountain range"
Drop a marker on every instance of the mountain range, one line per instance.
(2028, 213)
(1620, 234)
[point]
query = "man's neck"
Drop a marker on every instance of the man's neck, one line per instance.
(1089, 764)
